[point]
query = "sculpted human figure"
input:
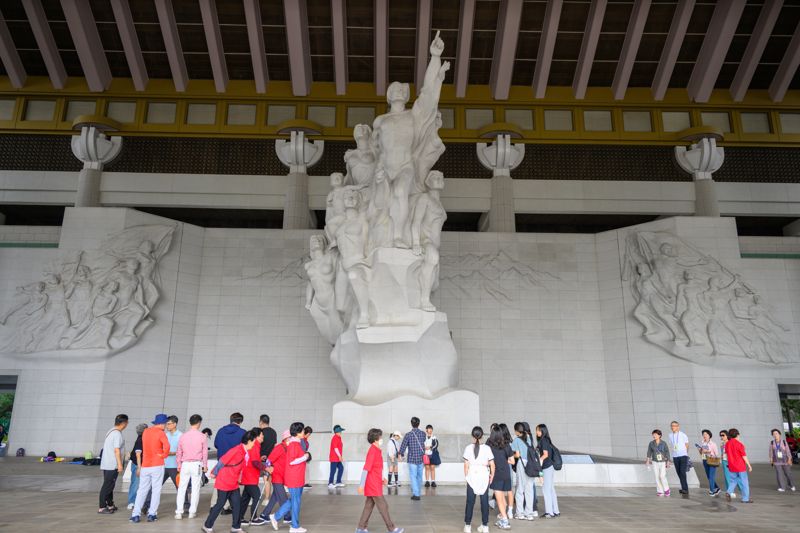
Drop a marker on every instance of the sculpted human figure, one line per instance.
(27, 312)
(131, 307)
(426, 235)
(321, 271)
(56, 318)
(402, 134)
(360, 162)
(351, 239)
(688, 309)
(78, 293)
(334, 207)
(95, 330)
(655, 307)
(716, 300)
(669, 267)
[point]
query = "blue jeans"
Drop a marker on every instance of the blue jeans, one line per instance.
(727, 475)
(549, 491)
(711, 474)
(134, 486)
(741, 479)
(292, 505)
(336, 469)
(415, 473)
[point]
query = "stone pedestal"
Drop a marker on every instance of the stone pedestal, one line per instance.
(455, 412)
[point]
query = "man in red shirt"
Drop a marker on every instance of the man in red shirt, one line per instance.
(227, 473)
(372, 482)
(155, 448)
(295, 478)
(738, 466)
(335, 458)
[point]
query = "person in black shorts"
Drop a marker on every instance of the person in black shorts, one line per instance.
(501, 484)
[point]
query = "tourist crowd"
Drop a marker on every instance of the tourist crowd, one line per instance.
(510, 463)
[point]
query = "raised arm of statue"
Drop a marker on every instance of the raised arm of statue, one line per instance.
(428, 95)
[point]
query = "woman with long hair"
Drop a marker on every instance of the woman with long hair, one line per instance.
(501, 484)
(510, 496)
(478, 471)
(526, 488)
(546, 452)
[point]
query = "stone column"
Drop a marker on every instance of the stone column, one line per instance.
(501, 157)
(701, 160)
(298, 153)
(95, 150)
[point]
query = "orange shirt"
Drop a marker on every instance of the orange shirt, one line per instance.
(155, 447)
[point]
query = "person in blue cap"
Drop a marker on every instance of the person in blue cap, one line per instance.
(336, 459)
(155, 448)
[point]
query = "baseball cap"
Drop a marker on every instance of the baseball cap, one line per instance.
(337, 428)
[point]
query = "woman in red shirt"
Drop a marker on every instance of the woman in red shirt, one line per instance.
(227, 473)
(372, 484)
(738, 466)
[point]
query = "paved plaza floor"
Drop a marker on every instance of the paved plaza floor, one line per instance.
(63, 498)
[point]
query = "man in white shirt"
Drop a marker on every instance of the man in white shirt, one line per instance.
(111, 463)
(679, 448)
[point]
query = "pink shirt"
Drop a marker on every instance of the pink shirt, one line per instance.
(192, 446)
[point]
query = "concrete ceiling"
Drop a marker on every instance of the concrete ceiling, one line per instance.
(699, 45)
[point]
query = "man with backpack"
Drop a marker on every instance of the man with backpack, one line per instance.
(111, 464)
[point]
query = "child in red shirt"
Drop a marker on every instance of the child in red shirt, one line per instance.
(227, 473)
(372, 482)
(294, 479)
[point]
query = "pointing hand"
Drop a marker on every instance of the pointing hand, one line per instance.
(437, 46)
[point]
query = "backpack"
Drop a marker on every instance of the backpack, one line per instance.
(20, 452)
(557, 462)
(533, 467)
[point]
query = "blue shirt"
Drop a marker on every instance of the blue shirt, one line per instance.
(414, 442)
(518, 445)
(172, 461)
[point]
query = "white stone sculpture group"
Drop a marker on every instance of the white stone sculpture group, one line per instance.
(387, 200)
(98, 300)
(695, 308)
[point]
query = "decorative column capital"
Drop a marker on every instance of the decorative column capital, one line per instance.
(298, 153)
(702, 159)
(94, 148)
(501, 157)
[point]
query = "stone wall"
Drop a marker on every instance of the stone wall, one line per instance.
(542, 323)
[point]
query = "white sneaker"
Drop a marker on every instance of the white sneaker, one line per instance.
(297, 530)
(273, 521)
(340, 485)
(130, 506)
(207, 529)
(483, 529)
(192, 515)
(331, 486)
(518, 516)
(178, 516)
(536, 514)
(781, 490)
(239, 530)
(530, 517)
(793, 489)
(467, 528)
